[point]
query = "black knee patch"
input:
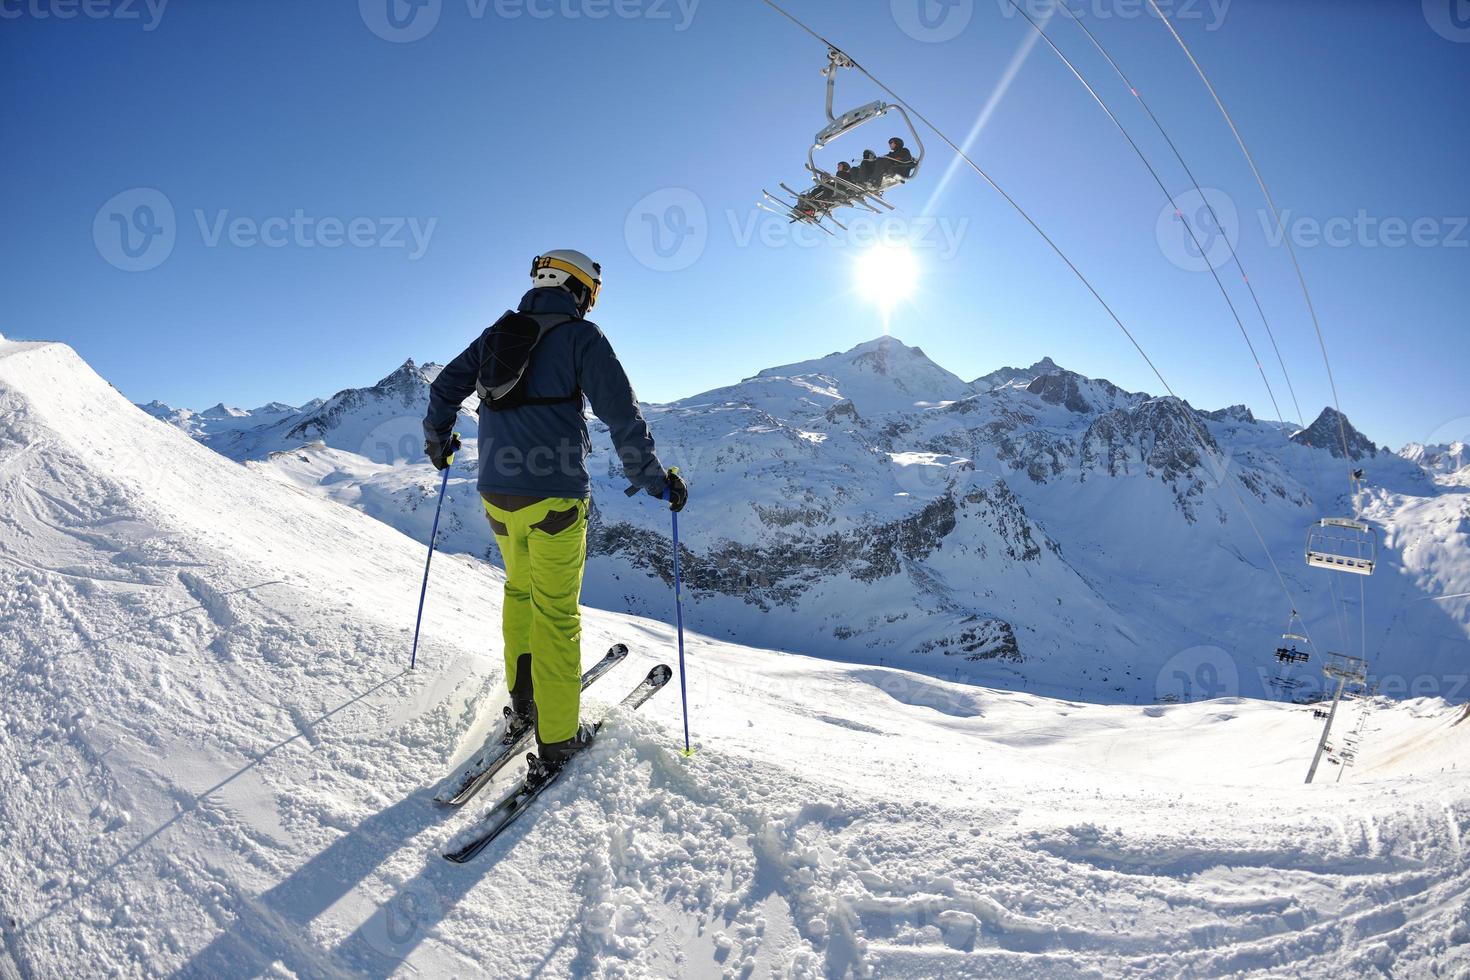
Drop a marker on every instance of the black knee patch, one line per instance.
(522, 695)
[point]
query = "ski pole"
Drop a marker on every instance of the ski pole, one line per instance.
(679, 621)
(678, 612)
(413, 658)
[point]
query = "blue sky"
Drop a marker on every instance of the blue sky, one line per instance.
(343, 198)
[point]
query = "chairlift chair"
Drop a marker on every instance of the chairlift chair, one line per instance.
(1345, 544)
(829, 191)
(1342, 544)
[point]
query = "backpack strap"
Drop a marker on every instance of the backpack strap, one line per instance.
(504, 396)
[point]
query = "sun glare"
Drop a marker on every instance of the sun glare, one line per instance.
(886, 274)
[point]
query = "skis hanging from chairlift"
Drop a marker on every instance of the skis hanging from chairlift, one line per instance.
(830, 190)
(1344, 544)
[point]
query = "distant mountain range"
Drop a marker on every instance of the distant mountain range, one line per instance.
(1033, 527)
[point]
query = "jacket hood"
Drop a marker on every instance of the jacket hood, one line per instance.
(548, 299)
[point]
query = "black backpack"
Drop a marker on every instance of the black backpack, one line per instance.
(505, 354)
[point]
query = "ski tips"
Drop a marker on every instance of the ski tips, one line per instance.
(660, 675)
(616, 652)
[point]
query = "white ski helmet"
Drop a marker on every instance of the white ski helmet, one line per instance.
(573, 271)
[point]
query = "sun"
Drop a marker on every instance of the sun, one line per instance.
(886, 274)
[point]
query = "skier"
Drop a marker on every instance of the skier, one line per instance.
(898, 161)
(533, 478)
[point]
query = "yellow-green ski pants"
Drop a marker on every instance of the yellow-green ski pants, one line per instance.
(544, 545)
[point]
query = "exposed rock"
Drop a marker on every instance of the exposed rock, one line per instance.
(1329, 431)
(978, 639)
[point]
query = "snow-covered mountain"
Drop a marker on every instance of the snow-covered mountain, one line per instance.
(220, 418)
(214, 763)
(1035, 527)
(1442, 459)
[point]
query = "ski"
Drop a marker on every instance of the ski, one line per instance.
(483, 766)
(504, 813)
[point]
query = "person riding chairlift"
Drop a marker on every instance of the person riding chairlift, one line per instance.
(898, 161)
(826, 189)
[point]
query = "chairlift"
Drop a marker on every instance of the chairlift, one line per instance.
(1288, 653)
(1344, 544)
(829, 191)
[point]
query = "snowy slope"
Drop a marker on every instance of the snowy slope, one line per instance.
(215, 764)
(991, 530)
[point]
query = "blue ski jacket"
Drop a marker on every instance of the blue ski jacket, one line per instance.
(541, 450)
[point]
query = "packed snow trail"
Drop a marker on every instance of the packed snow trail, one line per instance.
(214, 763)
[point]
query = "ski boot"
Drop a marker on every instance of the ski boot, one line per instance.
(551, 757)
(520, 714)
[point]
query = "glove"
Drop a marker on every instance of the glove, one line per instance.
(677, 493)
(442, 455)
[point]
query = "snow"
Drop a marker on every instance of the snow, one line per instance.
(214, 763)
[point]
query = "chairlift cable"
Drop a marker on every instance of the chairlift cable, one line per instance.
(1363, 616)
(988, 179)
(1225, 478)
(1276, 214)
(1234, 255)
(1163, 188)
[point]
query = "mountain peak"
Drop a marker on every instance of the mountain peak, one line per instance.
(1008, 375)
(879, 375)
(407, 372)
(1329, 431)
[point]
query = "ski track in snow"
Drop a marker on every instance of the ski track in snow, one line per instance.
(215, 763)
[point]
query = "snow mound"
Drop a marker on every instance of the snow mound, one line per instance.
(215, 764)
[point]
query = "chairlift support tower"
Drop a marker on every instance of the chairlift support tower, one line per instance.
(1345, 670)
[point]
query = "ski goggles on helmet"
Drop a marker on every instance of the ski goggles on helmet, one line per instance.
(593, 283)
